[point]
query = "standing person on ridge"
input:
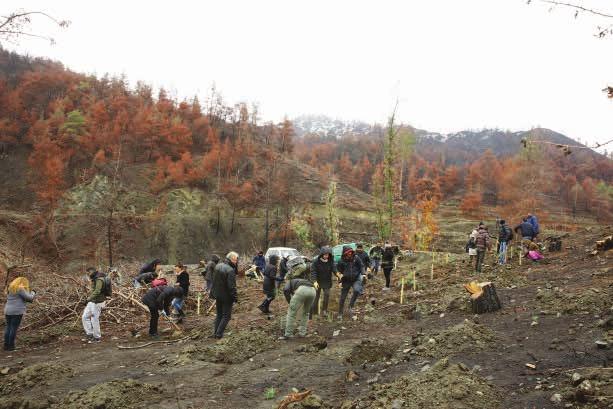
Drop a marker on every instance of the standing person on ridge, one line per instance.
(483, 244)
(387, 264)
(224, 292)
(18, 294)
(322, 270)
(505, 235)
(269, 283)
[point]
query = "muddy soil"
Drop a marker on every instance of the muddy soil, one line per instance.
(523, 356)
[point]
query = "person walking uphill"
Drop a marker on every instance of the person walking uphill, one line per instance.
(224, 292)
(269, 284)
(183, 282)
(159, 299)
(300, 295)
(387, 264)
(322, 270)
(359, 252)
(95, 303)
(351, 273)
(18, 295)
(483, 243)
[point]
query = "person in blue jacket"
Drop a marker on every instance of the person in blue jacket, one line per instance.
(259, 261)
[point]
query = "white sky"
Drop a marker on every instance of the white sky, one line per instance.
(453, 64)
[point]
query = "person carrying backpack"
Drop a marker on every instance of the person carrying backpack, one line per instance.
(375, 254)
(351, 273)
(300, 295)
(483, 243)
(158, 301)
(505, 235)
(95, 303)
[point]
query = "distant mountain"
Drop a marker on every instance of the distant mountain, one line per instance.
(457, 147)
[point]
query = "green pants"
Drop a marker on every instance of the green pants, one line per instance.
(302, 299)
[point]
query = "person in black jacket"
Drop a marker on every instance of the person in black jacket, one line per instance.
(351, 273)
(147, 273)
(359, 252)
(210, 268)
(269, 287)
(387, 264)
(159, 299)
(525, 230)
(183, 282)
(322, 270)
(505, 235)
(224, 292)
(282, 270)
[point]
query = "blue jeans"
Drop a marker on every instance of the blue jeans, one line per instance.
(376, 263)
(177, 304)
(12, 323)
(502, 255)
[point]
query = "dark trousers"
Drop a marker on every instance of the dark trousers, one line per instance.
(224, 313)
(357, 290)
(480, 258)
(270, 296)
(12, 323)
(324, 307)
(153, 320)
(387, 271)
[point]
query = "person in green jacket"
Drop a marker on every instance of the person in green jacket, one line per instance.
(95, 303)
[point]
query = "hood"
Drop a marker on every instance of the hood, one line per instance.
(325, 250)
(274, 259)
(348, 253)
(215, 258)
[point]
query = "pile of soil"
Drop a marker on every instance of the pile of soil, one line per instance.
(588, 300)
(33, 376)
(117, 394)
(464, 337)
(232, 349)
(310, 402)
(371, 350)
(442, 386)
(590, 387)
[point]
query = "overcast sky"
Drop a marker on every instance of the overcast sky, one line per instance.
(453, 64)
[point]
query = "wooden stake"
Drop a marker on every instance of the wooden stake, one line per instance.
(520, 254)
(401, 290)
(447, 258)
(432, 271)
(414, 279)
(199, 298)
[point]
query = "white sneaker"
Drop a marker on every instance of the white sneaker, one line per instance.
(386, 288)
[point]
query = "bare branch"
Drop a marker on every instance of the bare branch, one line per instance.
(16, 24)
(577, 7)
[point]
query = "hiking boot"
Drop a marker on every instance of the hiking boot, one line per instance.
(386, 288)
(261, 308)
(94, 340)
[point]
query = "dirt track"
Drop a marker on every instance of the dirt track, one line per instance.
(550, 318)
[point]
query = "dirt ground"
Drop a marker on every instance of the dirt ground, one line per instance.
(429, 352)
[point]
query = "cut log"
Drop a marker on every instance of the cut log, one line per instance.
(483, 297)
(605, 244)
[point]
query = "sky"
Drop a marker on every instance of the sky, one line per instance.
(451, 64)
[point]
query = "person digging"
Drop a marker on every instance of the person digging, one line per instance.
(158, 301)
(300, 294)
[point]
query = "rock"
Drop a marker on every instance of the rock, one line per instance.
(5, 370)
(312, 402)
(556, 398)
(602, 344)
(585, 386)
(577, 378)
(425, 368)
(374, 379)
(397, 404)
(432, 341)
(352, 376)
(336, 333)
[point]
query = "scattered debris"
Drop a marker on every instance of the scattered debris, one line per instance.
(117, 394)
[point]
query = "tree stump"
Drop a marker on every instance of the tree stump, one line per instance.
(483, 297)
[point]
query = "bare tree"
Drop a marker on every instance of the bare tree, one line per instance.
(18, 24)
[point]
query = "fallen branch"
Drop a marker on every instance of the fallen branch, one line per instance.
(293, 397)
(171, 341)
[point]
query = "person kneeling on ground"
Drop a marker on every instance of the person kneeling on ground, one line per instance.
(95, 303)
(269, 284)
(351, 273)
(224, 292)
(183, 282)
(322, 269)
(300, 295)
(158, 301)
(17, 296)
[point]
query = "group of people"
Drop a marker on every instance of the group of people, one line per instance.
(302, 293)
(479, 241)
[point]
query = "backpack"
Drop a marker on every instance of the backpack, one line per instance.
(472, 243)
(509, 233)
(296, 268)
(107, 288)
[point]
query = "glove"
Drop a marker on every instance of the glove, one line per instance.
(163, 313)
(33, 292)
(316, 285)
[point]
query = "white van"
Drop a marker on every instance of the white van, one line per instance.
(281, 252)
